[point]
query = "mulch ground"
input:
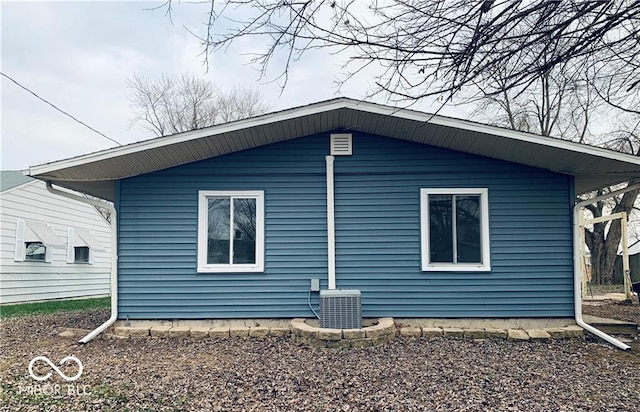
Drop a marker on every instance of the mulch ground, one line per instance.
(612, 309)
(274, 374)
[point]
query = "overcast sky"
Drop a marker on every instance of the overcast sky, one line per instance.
(78, 54)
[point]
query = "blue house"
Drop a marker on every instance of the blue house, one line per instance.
(428, 216)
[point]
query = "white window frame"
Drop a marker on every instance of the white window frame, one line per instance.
(82, 238)
(203, 229)
(427, 265)
(31, 231)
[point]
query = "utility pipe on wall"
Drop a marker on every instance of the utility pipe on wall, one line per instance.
(331, 228)
(114, 257)
(577, 275)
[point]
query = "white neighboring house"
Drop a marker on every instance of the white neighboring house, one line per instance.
(51, 247)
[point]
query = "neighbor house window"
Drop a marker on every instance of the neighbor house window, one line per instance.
(82, 246)
(81, 254)
(231, 231)
(35, 251)
(455, 229)
(35, 242)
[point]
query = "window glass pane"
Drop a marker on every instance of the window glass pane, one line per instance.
(218, 231)
(468, 229)
(81, 254)
(35, 251)
(244, 230)
(440, 228)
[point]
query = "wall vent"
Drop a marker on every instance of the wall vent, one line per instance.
(340, 309)
(341, 144)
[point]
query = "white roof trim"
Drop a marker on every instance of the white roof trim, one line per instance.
(186, 136)
(45, 234)
(95, 173)
(323, 107)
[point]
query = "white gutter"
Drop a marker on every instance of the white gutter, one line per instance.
(577, 272)
(114, 257)
(331, 228)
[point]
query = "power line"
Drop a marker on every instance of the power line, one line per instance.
(60, 110)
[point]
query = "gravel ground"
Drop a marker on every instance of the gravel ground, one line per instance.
(278, 375)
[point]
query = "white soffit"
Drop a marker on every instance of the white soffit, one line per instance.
(94, 173)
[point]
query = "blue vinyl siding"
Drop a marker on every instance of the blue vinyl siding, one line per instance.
(377, 193)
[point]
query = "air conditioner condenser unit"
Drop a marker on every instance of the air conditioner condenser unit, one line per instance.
(340, 309)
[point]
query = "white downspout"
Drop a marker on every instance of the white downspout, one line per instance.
(114, 257)
(331, 228)
(577, 273)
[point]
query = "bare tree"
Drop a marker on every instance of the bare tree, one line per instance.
(429, 47)
(552, 105)
(562, 107)
(175, 104)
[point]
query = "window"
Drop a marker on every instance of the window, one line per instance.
(455, 229)
(81, 254)
(81, 246)
(34, 252)
(35, 241)
(231, 231)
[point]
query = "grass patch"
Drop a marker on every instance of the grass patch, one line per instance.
(43, 308)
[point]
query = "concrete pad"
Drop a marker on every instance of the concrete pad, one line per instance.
(219, 332)
(132, 332)
(300, 328)
(386, 322)
(411, 331)
(494, 333)
(385, 326)
(238, 331)
(538, 334)
(142, 323)
(474, 333)
(431, 332)
(453, 332)
(160, 331)
(297, 325)
(200, 332)
(179, 332)
(517, 334)
(258, 332)
(487, 323)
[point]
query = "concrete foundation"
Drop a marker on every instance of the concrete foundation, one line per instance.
(489, 323)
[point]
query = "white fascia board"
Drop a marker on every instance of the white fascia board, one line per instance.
(187, 136)
(409, 114)
(326, 106)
